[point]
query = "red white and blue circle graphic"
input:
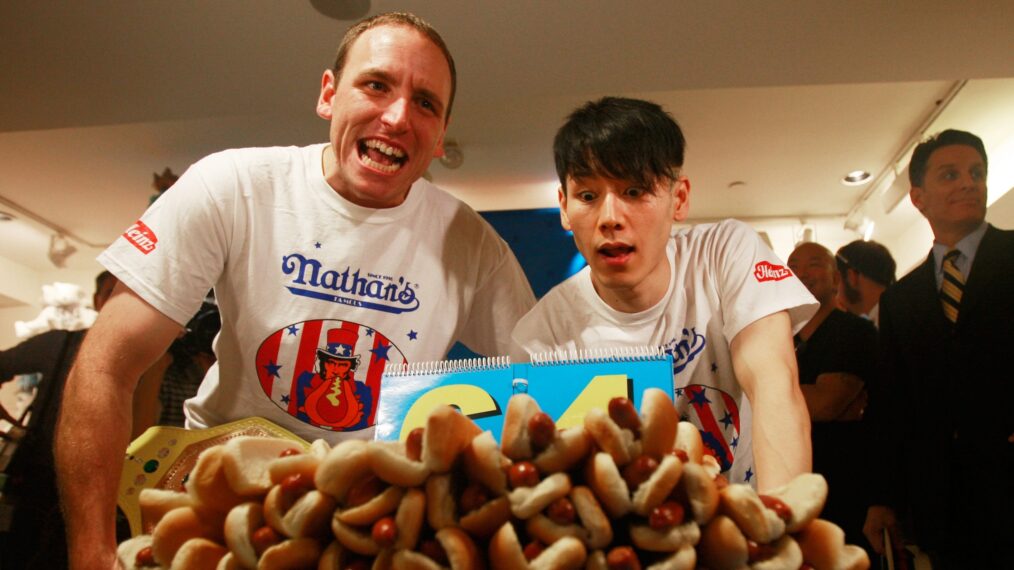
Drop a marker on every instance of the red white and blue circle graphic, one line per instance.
(326, 373)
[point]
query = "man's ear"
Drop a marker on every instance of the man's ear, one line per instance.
(562, 197)
(915, 195)
(681, 202)
(327, 91)
(438, 151)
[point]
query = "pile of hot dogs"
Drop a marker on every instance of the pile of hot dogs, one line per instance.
(624, 490)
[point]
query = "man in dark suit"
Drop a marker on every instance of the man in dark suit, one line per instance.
(946, 412)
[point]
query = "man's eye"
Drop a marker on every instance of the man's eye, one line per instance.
(585, 196)
(978, 175)
(634, 192)
(375, 85)
(950, 175)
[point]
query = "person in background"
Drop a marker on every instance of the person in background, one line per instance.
(836, 353)
(35, 537)
(714, 295)
(866, 270)
(945, 417)
(294, 241)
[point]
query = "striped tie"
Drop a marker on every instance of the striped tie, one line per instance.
(953, 284)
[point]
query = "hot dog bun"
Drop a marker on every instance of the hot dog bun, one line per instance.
(823, 546)
(723, 545)
(514, 438)
(805, 496)
(742, 504)
(180, 525)
(527, 501)
(659, 420)
(198, 554)
(448, 433)
(603, 476)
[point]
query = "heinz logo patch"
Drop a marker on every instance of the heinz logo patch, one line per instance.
(766, 271)
(141, 237)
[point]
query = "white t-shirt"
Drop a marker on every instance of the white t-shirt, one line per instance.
(297, 269)
(722, 278)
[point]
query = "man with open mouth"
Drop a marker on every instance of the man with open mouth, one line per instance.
(715, 296)
(295, 241)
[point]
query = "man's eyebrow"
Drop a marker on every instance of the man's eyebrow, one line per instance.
(377, 73)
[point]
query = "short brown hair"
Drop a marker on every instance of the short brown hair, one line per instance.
(396, 19)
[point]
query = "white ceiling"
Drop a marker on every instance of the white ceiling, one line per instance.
(783, 96)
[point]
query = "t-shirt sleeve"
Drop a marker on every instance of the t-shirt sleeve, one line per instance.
(502, 297)
(753, 282)
(174, 254)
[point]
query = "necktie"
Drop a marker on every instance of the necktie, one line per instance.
(953, 284)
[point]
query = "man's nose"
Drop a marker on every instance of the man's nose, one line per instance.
(610, 213)
(396, 114)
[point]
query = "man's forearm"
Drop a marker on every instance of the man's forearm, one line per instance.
(781, 441)
(92, 436)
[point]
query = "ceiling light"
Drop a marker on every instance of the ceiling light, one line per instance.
(855, 178)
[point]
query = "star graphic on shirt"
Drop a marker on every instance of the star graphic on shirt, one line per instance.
(380, 352)
(412, 335)
(293, 330)
(735, 442)
(369, 332)
(679, 392)
(726, 419)
(317, 245)
(749, 474)
(714, 367)
(285, 398)
(698, 398)
(272, 369)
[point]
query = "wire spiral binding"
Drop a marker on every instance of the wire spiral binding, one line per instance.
(448, 366)
(586, 355)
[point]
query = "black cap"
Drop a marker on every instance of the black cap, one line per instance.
(868, 258)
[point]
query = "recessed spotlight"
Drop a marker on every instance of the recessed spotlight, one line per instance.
(855, 178)
(5, 216)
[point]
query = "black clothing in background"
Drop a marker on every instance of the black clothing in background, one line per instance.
(842, 343)
(36, 538)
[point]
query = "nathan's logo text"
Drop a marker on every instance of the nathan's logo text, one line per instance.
(766, 271)
(357, 288)
(141, 237)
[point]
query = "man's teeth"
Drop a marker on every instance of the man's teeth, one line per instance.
(386, 149)
(396, 155)
(382, 167)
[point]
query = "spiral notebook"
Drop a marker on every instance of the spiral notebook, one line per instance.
(565, 384)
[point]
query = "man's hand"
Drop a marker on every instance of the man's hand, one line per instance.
(878, 518)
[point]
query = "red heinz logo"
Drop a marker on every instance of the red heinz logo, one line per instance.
(766, 271)
(141, 237)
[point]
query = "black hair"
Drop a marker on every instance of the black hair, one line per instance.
(869, 258)
(922, 152)
(626, 139)
(101, 278)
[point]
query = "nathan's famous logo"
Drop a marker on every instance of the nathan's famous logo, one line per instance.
(716, 415)
(326, 373)
(685, 348)
(141, 237)
(378, 292)
(767, 271)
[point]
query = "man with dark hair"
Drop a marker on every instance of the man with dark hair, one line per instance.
(836, 353)
(866, 270)
(714, 295)
(295, 242)
(946, 416)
